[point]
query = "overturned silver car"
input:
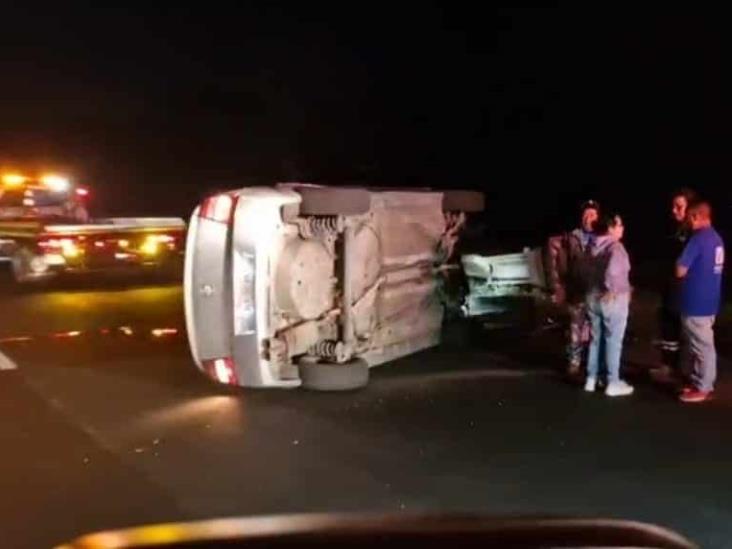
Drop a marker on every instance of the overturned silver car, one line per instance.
(307, 285)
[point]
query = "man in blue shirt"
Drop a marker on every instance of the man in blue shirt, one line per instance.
(700, 268)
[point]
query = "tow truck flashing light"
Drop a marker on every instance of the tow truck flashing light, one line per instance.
(11, 180)
(52, 182)
(56, 183)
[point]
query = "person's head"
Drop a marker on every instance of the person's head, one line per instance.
(699, 215)
(610, 225)
(590, 212)
(680, 201)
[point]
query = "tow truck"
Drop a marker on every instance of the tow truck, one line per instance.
(46, 231)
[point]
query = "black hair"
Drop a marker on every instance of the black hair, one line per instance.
(690, 195)
(701, 207)
(603, 225)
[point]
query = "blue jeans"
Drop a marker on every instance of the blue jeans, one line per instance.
(697, 336)
(609, 318)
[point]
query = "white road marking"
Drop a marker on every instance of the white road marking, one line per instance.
(6, 363)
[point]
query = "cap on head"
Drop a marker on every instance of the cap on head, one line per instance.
(589, 205)
(589, 213)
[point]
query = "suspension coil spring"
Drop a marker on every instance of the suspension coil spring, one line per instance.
(324, 225)
(327, 349)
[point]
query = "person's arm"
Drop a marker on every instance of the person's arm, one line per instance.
(688, 256)
(557, 263)
(618, 268)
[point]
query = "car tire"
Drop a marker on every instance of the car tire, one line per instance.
(329, 376)
(463, 201)
(333, 201)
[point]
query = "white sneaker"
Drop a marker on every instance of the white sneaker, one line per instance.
(618, 388)
(591, 384)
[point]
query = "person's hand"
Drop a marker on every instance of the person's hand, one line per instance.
(607, 297)
(559, 296)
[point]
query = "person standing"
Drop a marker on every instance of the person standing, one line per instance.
(668, 315)
(700, 269)
(569, 256)
(608, 303)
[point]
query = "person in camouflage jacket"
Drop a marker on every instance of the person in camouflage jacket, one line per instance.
(568, 262)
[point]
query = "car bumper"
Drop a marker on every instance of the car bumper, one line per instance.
(223, 314)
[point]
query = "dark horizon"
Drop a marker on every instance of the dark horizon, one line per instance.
(155, 108)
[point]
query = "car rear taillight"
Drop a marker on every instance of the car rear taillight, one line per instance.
(218, 208)
(222, 369)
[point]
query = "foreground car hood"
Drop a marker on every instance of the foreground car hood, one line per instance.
(398, 530)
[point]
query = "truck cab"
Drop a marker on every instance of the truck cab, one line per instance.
(48, 197)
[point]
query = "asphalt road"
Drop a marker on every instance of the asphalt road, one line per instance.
(106, 423)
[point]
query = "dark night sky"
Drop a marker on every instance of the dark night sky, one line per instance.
(154, 107)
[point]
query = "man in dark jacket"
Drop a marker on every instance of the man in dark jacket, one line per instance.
(668, 313)
(569, 255)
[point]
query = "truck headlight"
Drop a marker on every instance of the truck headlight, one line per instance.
(69, 249)
(150, 246)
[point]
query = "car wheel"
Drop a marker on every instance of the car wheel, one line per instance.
(333, 201)
(463, 201)
(329, 376)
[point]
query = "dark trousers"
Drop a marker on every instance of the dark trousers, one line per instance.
(670, 324)
(578, 337)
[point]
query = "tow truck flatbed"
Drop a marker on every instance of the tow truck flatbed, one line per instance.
(45, 231)
(40, 251)
(100, 226)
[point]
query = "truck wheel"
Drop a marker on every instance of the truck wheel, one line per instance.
(463, 201)
(328, 376)
(333, 201)
(20, 266)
